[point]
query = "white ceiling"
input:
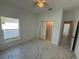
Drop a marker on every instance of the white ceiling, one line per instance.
(54, 4)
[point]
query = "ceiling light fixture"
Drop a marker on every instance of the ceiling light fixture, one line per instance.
(40, 3)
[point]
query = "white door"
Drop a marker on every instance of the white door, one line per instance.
(42, 31)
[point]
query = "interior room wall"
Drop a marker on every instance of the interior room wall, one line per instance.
(27, 23)
(56, 18)
(71, 15)
(77, 44)
(77, 48)
(68, 15)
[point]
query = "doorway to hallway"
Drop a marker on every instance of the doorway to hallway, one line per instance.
(67, 34)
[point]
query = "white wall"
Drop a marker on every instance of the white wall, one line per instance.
(71, 15)
(68, 15)
(77, 48)
(56, 17)
(27, 23)
(74, 16)
(77, 44)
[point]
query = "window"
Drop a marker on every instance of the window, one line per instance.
(10, 27)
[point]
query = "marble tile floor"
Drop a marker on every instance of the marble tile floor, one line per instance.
(37, 49)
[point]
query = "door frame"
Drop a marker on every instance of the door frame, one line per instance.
(62, 27)
(76, 37)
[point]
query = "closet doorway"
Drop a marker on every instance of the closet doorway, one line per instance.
(46, 28)
(49, 30)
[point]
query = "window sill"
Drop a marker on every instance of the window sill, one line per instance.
(11, 39)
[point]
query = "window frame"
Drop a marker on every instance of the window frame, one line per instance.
(2, 34)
